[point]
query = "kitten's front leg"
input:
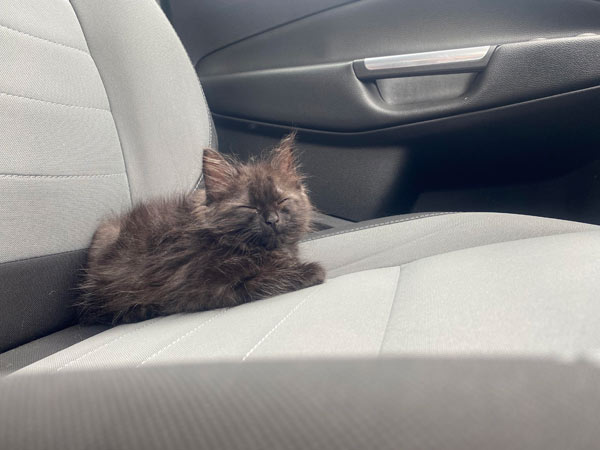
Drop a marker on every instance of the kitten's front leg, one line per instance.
(277, 278)
(311, 274)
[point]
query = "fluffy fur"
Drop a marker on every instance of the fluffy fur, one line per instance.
(234, 242)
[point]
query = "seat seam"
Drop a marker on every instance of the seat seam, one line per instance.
(149, 322)
(180, 338)
(387, 323)
(447, 252)
(44, 39)
(208, 116)
(50, 102)
(18, 176)
(375, 225)
(109, 105)
(286, 317)
(199, 182)
(398, 247)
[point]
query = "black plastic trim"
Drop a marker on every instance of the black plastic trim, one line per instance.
(36, 296)
(367, 224)
(376, 28)
(542, 107)
(330, 97)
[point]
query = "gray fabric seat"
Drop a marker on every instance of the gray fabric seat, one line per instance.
(442, 285)
(100, 108)
(110, 113)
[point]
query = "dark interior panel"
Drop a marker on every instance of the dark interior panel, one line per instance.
(344, 180)
(531, 158)
(389, 27)
(514, 132)
(207, 26)
(37, 296)
(572, 196)
(331, 97)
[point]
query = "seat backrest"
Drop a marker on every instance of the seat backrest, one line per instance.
(100, 108)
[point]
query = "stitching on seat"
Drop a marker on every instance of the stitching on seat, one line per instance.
(149, 322)
(375, 225)
(66, 105)
(387, 323)
(287, 316)
(189, 333)
(44, 39)
(16, 175)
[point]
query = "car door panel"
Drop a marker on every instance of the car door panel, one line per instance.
(331, 97)
(424, 136)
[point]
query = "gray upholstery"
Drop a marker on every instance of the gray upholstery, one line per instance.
(60, 155)
(83, 134)
(402, 239)
(420, 404)
(452, 284)
(153, 91)
(27, 354)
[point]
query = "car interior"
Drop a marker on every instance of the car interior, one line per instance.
(452, 151)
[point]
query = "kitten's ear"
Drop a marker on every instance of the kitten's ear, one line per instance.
(219, 174)
(283, 157)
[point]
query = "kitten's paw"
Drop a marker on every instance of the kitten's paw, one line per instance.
(313, 274)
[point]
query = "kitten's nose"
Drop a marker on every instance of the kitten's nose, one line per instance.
(272, 218)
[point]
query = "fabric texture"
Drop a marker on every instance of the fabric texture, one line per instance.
(59, 74)
(61, 165)
(27, 354)
(387, 404)
(99, 108)
(455, 284)
(53, 21)
(154, 94)
(47, 214)
(402, 239)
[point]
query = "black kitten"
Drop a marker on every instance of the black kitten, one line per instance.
(232, 243)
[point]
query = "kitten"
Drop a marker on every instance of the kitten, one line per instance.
(233, 242)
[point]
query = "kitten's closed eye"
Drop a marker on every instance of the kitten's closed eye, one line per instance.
(284, 205)
(247, 207)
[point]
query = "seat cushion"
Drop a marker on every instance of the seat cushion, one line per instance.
(443, 284)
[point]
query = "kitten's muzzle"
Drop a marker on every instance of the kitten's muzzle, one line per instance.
(271, 230)
(272, 219)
